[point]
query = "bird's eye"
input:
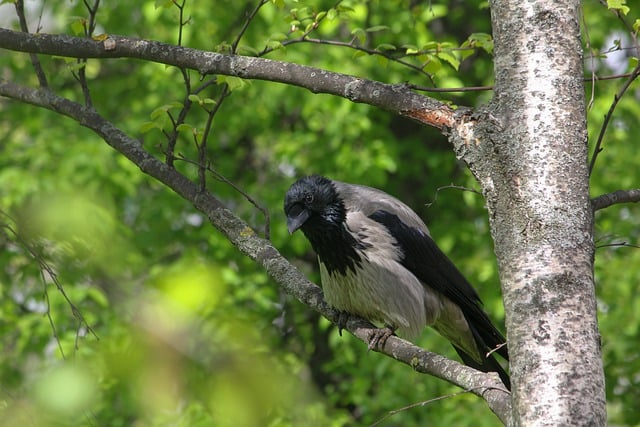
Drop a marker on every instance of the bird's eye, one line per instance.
(308, 198)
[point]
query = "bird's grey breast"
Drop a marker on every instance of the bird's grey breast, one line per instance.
(379, 289)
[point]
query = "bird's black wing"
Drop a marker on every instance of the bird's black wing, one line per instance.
(428, 263)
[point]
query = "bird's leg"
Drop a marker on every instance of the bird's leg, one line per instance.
(378, 337)
(343, 318)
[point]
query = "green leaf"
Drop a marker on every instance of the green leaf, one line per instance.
(385, 46)
(344, 8)
(164, 108)
(164, 4)
(275, 45)
(331, 14)
(382, 61)
(147, 126)
(377, 28)
(620, 5)
(430, 46)
(233, 82)
(98, 296)
(360, 34)
(410, 49)
(480, 40)
(247, 50)
(464, 54)
(183, 127)
(78, 26)
(358, 54)
(278, 37)
(450, 58)
(433, 65)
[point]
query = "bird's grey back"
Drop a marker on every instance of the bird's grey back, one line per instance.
(369, 200)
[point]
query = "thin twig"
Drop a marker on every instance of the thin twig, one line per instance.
(634, 74)
(217, 175)
(89, 28)
(496, 348)
(47, 273)
(35, 61)
(202, 148)
(619, 244)
(250, 16)
(607, 118)
(93, 12)
(181, 21)
(455, 187)
(419, 404)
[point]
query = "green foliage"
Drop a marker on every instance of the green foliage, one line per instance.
(187, 331)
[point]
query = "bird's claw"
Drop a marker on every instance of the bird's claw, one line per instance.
(378, 337)
(343, 318)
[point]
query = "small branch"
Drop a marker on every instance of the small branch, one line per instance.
(181, 21)
(451, 89)
(202, 148)
(250, 16)
(48, 274)
(93, 12)
(634, 74)
(418, 404)
(607, 118)
(395, 58)
(35, 61)
(593, 79)
(456, 187)
(620, 196)
(217, 175)
(618, 244)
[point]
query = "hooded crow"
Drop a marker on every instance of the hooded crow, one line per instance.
(378, 261)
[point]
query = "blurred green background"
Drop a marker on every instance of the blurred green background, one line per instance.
(120, 305)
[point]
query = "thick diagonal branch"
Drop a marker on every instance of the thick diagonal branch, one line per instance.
(260, 250)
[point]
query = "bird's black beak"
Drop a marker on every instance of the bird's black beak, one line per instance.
(295, 220)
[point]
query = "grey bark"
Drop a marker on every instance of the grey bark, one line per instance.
(529, 152)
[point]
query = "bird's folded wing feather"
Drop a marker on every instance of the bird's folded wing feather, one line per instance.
(429, 264)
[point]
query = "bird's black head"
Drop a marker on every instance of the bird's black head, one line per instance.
(313, 204)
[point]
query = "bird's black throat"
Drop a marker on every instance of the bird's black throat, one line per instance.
(336, 248)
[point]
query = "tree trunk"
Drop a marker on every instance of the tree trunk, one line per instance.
(532, 163)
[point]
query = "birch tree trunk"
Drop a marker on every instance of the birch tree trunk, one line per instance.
(532, 163)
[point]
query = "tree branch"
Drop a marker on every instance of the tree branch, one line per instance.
(487, 386)
(35, 61)
(607, 118)
(398, 98)
(620, 196)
